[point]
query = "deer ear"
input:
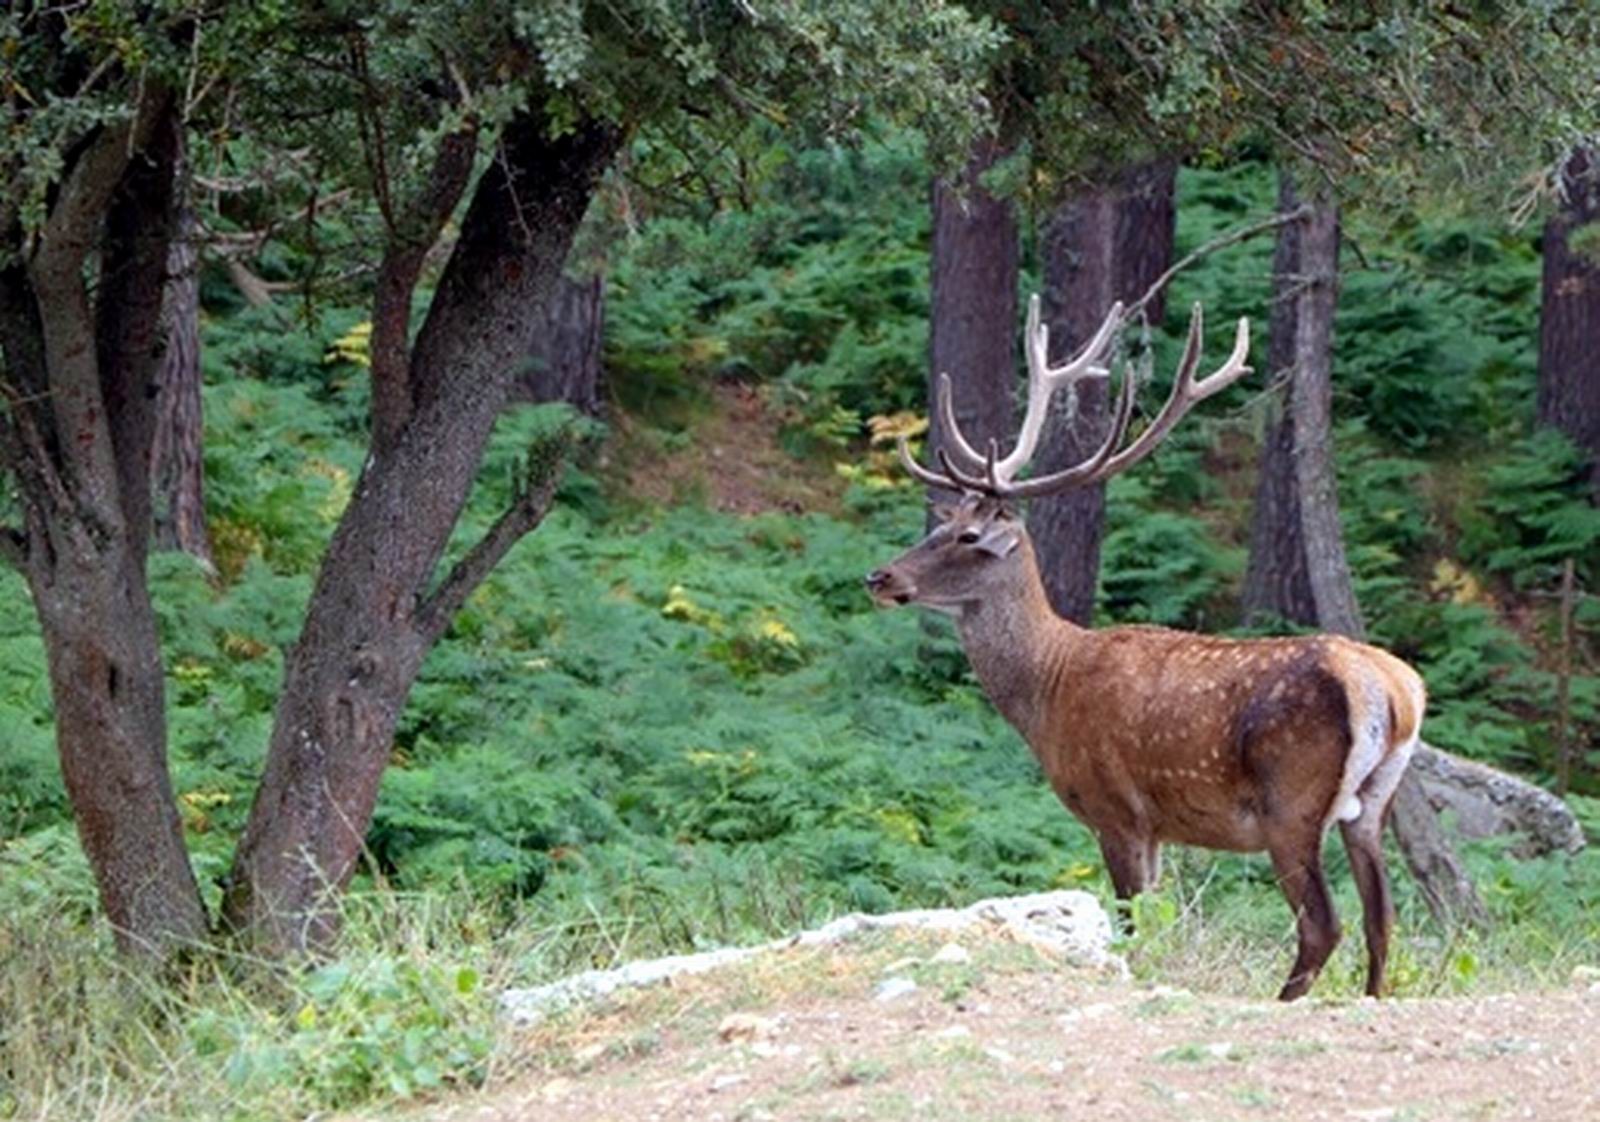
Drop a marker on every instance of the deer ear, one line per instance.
(999, 538)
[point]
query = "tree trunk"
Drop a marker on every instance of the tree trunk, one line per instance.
(973, 331)
(1327, 571)
(1569, 313)
(1106, 244)
(107, 684)
(564, 362)
(376, 611)
(176, 465)
(75, 434)
(1276, 585)
(1433, 861)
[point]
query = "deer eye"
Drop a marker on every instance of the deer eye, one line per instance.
(968, 537)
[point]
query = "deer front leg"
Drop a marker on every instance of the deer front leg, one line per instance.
(1297, 860)
(1130, 862)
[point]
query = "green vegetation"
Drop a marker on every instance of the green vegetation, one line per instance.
(662, 728)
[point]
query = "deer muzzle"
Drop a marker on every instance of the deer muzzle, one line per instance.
(889, 587)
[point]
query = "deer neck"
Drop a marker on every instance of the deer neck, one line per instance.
(1020, 649)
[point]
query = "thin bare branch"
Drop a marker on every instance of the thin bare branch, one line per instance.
(1222, 241)
(520, 519)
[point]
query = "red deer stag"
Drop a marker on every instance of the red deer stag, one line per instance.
(1150, 735)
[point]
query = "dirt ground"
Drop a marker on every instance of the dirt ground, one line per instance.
(734, 464)
(1006, 1034)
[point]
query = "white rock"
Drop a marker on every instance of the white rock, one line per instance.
(891, 988)
(1069, 924)
(951, 954)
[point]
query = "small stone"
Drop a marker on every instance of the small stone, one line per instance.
(951, 954)
(589, 1053)
(556, 1088)
(953, 1032)
(891, 988)
(746, 1026)
(728, 1079)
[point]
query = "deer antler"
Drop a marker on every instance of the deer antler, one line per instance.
(998, 476)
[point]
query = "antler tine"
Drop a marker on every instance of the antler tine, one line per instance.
(1090, 469)
(1044, 380)
(922, 474)
(998, 474)
(961, 478)
(952, 431)
(1186, 392)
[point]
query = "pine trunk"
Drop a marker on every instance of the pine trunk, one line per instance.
(564, 362)
(177, 467)
(973, 333)
(1569, 313)
(1106, 244)
(1276, 585)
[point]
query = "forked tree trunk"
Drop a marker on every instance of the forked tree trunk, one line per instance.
(1105, 244)
(177, 469)
(564, 363)
(973, 330)
(1569, 313)
(377, 607)
(75, 434)
(1276, 585)
(1437, 869)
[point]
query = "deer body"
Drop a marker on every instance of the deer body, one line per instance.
(1150, 735)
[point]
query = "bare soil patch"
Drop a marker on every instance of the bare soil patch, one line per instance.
(732, 463)
(807, 1034)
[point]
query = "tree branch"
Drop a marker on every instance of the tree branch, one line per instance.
(414, 234)
(527, 510)
(55, 268)
(1222, 241)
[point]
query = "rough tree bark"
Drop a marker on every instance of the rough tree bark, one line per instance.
(1276, 586)
(1439, 873)
(377, 609)
(1106, 244)
(177, 470)
(973, 330)
(77, 380)
(564, 362)
(1569, 313)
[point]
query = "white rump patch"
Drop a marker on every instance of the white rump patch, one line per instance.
(1369, 736)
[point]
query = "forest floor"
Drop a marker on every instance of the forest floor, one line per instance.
(734, 463)
(815, 1033)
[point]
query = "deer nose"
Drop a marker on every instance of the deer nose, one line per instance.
(877, 580)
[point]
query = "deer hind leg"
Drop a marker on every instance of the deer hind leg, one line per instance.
(1298, 862)
(1363, 840)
